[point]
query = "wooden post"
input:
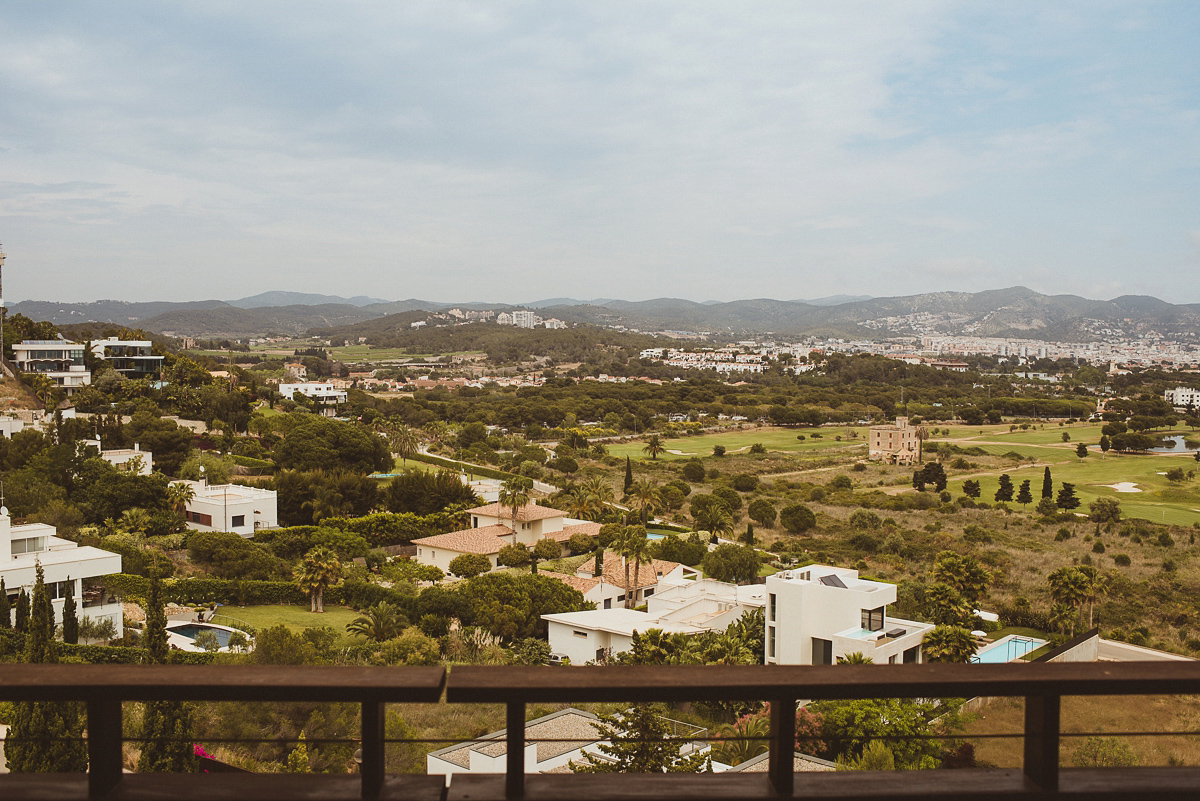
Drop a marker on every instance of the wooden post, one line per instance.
(1041, 740)
(104, 740)
(372, 767)
(781, 764)
(514, 776)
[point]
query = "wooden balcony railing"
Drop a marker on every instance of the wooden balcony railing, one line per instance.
(1042, 686)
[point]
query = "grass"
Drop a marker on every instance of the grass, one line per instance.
(739, 442)
(296, 618)
(1020, 631)
(1081, 714)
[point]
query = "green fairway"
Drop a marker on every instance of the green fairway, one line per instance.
(780, 440)
(296, 618)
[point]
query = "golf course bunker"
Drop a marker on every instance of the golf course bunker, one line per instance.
(1124, 486)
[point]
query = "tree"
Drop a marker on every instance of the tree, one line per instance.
(1066, 497)
(321, 569)
(1081, 451)
(646, 498)
(948, 644)
(964, 574)
(694, 469)
(628, 475)
(736, 564)
(381, 622)
(711, 514)
(5, 608)
(1046, 507)
(654, 446)
(179, 495)
(297, 760)
(1070, 587)
(1104, 510)
(762, 511)
(875, 756)
(44, 737)
(1047, 484)
(945, 605)
(22, 621)
(748, 537)
(797, 518)
(634, 548)
(1105, 444)
(1004, 492)
(515, 492)
(320, 443)
(856, 658)
(1025, 494)
(638, 740)
(70, 617)
(718, 451)
(469, 565)
(515, 555)
(1103, 752)
(972, 488)
(425, 493)
(848, 727)
(405, 442)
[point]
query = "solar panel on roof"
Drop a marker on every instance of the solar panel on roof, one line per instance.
(832, 581)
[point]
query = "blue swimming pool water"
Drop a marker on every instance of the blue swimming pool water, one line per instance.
(1006, 650)
(192, 629)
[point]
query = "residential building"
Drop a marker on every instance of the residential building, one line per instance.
(677, 602)
(132, 358)
(504, 318)
(129, 459)
(58, 359)
(231, 507)
(894, 444)
(523, 318)
(1183, 397)
(296, 371)
(320, 391)
(554, 323)
(817, 614)
(67, 568)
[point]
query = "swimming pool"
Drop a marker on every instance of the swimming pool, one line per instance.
(186, 634)
(1014, 646)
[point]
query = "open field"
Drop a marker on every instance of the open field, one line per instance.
(782, 440)
(296, 618)
(1098, 714)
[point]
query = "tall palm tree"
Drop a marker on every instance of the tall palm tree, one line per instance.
(634, 546)
(1070, 587)
(514, 494)
(598, 485)
(404, 441)
(654, 446)
(379, 623)
(583, 505)
(179, 495)
(647, 498)
(321, 569)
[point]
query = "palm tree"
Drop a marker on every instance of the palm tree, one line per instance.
(179, 495)
(321, 569)
(598, 485)
(647, 498)
(749, 736)
(948, 644)
(714, 518)
(634, 546)
(583, 505)
(135, 520)
(514, 494)
(922, 434)
(856, 658)
(1070, 587)
(325, 502)
(654, 446)
(404, 441)
(379, 623)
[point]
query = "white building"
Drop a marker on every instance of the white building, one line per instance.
(320, 391)
(554, 323)
(132, 358)
(523, 318)
(504, 318)
(817, 614)
(67, 567)
(675, 604)
(58, 359)
(231, 507)
(1183, 397)
(129, 459)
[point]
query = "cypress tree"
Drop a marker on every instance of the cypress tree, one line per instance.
(22, 624)
(5, 608)
(166, 725)
(1047, 484)
(70, 624)
(749, 536)
(45, 737)
(628, 475)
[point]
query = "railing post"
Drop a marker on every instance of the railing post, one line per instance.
(1041, 740)
(104, 741)
(372, 767)
(514, 775)
(781, 764)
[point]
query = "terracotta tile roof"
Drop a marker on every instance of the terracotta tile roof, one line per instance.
(590, 529)
(486, 540)
(525, 514)
(648, 574)
(584, 585)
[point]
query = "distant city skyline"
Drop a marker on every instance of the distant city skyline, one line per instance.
(510, 153)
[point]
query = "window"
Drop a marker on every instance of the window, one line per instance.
(578, 633)
(892, 659)
(199, 518)
(872, 619)
(770, 642)
(822, 651)
(771, 613)
(59, 589)
(912, 654)
(28, 545)
(608, 603)
(646, 593)
(237, 521)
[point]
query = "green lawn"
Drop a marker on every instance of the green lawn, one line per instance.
(773, 439)
(296, 618)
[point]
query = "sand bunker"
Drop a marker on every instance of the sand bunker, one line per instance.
(1124, 486)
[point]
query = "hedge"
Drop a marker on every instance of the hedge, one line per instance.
(459, 466)
(12, 644)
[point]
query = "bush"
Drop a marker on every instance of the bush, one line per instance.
(1121, 560)
(744, 482)
(693, 470)
(762, 511)
(736, 564)
(685, 551)
(797, 518)
(865, 519)
(840, 482)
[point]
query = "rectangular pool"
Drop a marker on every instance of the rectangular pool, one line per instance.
(1014, 646)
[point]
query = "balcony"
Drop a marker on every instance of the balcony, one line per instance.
(1042, 685)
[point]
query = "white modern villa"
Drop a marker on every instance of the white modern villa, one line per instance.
(67, 568)
(231, 507)
(320, 391)
(132, 358)
(60, 360)
(817, 614)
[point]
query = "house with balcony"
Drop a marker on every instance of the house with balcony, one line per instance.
(320, 391)
(67, 567)
(132, 358)
(818, 614)
(58, 359)
(231, 507)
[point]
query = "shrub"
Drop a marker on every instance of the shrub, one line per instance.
(864, 519)
(797, 518)
(744, 482)
(1121, 560)
(693, 470)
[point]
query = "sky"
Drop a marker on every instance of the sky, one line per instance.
(514, 151)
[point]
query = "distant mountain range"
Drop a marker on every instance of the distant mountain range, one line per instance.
(1014, 312)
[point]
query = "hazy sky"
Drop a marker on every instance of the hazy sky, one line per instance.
(518, 151)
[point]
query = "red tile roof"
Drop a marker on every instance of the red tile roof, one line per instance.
(486, 540)
(525, 514)
(580, 583)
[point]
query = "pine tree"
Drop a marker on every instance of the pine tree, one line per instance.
(1024, 494)
(166, 725)
(1005, 491)
(22, 624)
(638, 743)
(297, 761)
(70, 624)
(1067, 498)
(5, 608)
(45, 737)
(1047, 484)
(628, 475)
